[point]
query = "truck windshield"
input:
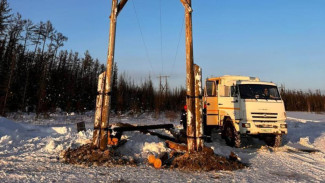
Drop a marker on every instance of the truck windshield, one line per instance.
(255, 91)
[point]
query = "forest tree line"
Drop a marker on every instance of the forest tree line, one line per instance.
(298, 100)
(38, 75)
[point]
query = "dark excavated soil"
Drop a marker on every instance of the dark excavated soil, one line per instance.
(88, 156)
(205, 161)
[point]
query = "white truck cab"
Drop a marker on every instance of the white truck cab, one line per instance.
(244, 106)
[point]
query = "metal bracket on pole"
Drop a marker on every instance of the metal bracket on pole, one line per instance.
(186, 6)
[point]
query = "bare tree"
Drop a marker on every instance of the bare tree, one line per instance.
(4, 16)
(46, 34)
(36, 39)
(14, 31)
(29, 29)
(57, 41)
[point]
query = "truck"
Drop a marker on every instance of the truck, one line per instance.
(242, 107)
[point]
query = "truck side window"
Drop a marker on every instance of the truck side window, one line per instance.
(234, 91)
(211, 88)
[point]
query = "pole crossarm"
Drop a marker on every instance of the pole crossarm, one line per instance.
(187, 6)
(120, 6)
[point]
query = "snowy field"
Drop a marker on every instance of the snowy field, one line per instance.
(29, 151)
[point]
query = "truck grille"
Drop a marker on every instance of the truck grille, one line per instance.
(264, 117)
(266, 126)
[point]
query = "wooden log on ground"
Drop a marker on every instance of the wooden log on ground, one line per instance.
(183, 148)
(161, 160)
(115, 141)
(151, 158)
(109, 141)
(120, 143)
(175, 146)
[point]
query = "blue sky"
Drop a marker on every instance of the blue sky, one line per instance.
(279, 41)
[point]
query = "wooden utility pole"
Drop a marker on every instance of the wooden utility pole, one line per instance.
(106, 96)
(190, 99)
(99, 110)
(198, 108)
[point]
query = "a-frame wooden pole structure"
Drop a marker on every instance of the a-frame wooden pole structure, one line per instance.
(101, 134)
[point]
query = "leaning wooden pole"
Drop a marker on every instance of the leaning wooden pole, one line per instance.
(99, 109)
(104, 134)
(190, 99)
(198, 108)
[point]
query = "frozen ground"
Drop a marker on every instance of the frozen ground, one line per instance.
(29, 150)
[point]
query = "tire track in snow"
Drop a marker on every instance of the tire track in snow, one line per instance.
(295, 164)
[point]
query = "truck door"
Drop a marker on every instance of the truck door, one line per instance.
(212, 102)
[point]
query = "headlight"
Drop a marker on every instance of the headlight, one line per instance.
(283, 125)
(246, 125)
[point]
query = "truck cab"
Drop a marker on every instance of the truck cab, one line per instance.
(244, 106)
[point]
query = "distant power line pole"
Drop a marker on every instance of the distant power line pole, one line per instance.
(163, 87)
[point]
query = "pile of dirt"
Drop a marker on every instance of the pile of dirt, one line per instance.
(87, 156)
(206, 161)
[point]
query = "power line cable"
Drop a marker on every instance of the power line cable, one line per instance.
(161, 40)
(142, 37)
(179, 39)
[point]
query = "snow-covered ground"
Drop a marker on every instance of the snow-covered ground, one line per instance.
(29, 151)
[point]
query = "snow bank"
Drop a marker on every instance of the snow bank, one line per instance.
(8, 127)
(16, 137)
(31, 152)
(304, 117)
(61, 130)
(5, 140)
(306, 129)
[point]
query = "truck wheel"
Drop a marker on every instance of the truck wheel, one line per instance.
(274, 140)
(232, 137)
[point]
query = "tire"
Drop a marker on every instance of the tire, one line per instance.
(274, 140)
(232, 137)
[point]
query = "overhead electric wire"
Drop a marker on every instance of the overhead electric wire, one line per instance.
(161, 40)
(143, 41)
(179, 39)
